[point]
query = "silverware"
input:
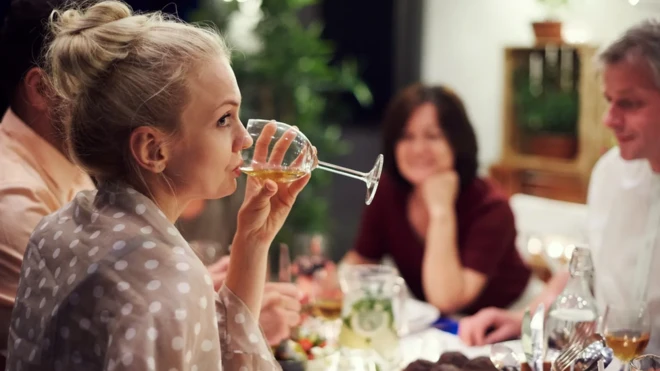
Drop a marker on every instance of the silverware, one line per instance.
(504, 358)
(526, 337)
(538, 340)
(583, 335)
(595, 354)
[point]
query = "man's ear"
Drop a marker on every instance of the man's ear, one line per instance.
(149, 149)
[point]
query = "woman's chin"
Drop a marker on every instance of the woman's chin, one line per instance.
(226, 189)
(418, 178)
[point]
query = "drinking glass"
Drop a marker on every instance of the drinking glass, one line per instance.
(627, 330)
(372, 312)
(325, 303)
(647, 362)
(282, 153)
(326, 299)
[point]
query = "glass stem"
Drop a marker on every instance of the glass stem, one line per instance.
(343, 171)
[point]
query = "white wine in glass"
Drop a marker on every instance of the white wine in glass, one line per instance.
(283, 154)
(627, 330)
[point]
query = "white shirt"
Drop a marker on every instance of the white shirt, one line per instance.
(619, 203)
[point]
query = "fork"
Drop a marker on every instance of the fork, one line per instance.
(577, 342)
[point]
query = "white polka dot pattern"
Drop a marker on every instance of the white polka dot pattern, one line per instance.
(152, 300)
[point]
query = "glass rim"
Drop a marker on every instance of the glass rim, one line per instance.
(370, 273)
(379, 268)
(280, 124)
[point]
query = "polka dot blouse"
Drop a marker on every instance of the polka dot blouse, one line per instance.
(108, 283)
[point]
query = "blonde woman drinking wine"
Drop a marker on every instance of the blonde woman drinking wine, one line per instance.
(150, 107)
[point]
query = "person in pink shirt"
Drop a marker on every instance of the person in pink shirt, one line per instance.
(36, 178)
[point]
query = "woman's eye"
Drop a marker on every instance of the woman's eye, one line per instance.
(224, 120)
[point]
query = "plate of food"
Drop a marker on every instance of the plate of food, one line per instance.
(305, 348)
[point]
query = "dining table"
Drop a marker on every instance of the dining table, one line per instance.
(430, 343)
(429, 334)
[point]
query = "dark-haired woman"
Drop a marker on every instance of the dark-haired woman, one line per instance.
(450, 232)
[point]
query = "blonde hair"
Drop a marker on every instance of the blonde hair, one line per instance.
(115, 71)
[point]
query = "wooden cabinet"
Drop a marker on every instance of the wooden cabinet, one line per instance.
(523, 171)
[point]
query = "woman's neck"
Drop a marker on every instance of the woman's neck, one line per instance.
(163, 195)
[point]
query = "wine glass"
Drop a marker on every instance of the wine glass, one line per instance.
(317, 279)
(647, 362)
(282, 153)
(326, 299)
(627, 330)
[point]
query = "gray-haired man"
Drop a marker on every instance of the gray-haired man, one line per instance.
(624, 193)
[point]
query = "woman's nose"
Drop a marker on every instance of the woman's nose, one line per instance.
(246, 139)
(418, 146)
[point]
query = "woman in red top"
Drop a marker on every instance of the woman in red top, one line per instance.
(450, 232)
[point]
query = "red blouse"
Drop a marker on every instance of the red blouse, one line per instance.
(486, 240)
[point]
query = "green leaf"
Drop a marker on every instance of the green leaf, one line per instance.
(363, 94)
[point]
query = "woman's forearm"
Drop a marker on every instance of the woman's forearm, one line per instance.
(246, 276)
(442, 272)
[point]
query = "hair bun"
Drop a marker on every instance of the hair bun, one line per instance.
(75, 21)
(86, 43)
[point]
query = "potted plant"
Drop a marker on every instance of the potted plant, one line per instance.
(548, 31)
(546, 116)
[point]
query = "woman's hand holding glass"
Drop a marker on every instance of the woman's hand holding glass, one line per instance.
(293, 157)
(267, 202)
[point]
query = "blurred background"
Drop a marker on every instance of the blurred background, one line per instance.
(330, 67)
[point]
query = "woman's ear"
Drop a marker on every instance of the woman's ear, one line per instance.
(36, 89)
(149, 149)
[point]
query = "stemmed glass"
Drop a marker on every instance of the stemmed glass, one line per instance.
(282, 153)
(627, 330)
(647, 362)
